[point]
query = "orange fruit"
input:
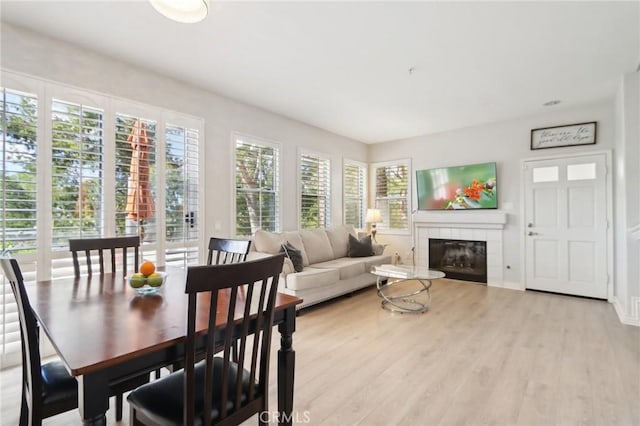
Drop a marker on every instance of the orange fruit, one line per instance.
(147, 268)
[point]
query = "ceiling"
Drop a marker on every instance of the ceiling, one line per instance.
(371, 71)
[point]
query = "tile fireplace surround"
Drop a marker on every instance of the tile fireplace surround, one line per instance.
(463, 225)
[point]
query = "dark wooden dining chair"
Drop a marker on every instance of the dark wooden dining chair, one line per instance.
(100, 245)
(47, 389)
(113, 246)
(218, 390)
(224, 251)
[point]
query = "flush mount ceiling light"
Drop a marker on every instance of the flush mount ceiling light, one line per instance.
(186, 11)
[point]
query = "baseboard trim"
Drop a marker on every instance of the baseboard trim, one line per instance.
(631, 318)
(507, 285)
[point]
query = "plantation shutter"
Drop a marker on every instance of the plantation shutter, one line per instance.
(18, 150)
(136, 133)
(182, 201)
(77, 172)
(64, 166)
(257, 186)
(315, 191)
(77, 145)
(392, 195)
(354, 187)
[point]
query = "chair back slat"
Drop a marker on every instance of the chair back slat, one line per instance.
(244, 332)
(87, 245)
(254, 284)
(29, 336)
(227, 251)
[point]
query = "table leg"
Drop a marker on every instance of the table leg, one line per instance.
(93, 399)
(405, 303)
(286, 367)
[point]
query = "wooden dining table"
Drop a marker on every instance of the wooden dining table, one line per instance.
(105, 333)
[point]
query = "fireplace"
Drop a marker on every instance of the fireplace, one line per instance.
(459, 259)
(485, 225)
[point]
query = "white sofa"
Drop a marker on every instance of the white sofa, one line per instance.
(328, 272)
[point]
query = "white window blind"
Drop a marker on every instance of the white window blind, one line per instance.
(18, 152)
(135, 163)
(257, 181)
(354, 177)
(18, 171)
(181, 199)
(65, 168)
(77, 172)
(315, 191)
(392, 195)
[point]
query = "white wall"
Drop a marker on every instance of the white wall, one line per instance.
(627, 295)
(30, 53)
(506, 143)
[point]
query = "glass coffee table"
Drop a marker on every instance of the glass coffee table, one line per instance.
(391, 277)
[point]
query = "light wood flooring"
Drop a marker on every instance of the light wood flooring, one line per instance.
(479, 356)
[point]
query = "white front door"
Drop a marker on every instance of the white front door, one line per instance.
(566, 225)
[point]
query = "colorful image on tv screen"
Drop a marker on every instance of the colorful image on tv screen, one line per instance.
(458, 188)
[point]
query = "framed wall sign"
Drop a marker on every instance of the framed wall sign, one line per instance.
(569, 135)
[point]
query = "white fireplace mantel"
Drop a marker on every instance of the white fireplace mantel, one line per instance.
(461, 219)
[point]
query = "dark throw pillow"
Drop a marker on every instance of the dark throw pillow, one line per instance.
(360, 248)
(294, 255)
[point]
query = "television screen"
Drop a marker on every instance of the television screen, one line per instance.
(458, 188)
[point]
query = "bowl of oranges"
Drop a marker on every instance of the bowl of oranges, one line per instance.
(147, 280)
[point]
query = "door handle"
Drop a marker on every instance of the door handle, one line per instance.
(190, 219)
(531, 233)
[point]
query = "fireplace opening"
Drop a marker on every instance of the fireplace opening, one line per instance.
(459, 259)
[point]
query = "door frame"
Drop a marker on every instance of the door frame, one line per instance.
(609, 212)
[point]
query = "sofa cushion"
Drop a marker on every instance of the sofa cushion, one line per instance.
(317, 245)
(347, 266)
(378, 249)
(267, 242)
(293, 237)
(311, 278)
(339, 239)
(360, 248)
(271, 242)
(294, 255)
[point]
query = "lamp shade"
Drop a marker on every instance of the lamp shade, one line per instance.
(373, 216)
(186, 11)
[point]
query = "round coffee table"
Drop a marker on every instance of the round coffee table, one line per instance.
(390, 276)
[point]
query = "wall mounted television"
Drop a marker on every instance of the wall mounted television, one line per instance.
(458, 188)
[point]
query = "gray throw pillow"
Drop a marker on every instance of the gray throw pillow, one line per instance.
(360, 248)
(294, 255)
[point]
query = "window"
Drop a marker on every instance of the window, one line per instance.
(257, 182)
(392, 195)
(585, 171)
(315, 191)
(545, 174)
(77, 157)
(66, 168)
(354, 177)
(18, 153)
(182, 194)
(18, 150)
